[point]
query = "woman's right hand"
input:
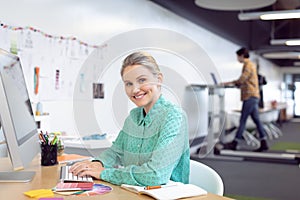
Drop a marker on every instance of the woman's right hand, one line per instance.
(88, 168)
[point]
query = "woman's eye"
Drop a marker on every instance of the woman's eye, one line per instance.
(142, 80)
(128, 84)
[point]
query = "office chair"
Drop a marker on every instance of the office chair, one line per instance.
(206, 178)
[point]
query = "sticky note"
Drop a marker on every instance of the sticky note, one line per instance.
(39, 193)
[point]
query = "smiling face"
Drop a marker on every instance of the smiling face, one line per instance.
(142, 86)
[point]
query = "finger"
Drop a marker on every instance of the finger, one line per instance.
(78, 166)
(85, 172)
(90, 173)
(78, 169)
(74, 166)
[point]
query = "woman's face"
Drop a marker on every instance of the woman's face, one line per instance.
(142, 86)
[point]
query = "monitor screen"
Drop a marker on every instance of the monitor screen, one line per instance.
(16, 115)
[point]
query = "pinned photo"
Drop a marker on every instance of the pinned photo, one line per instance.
(98, 90)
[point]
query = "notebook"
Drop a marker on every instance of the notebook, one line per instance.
(174, 190)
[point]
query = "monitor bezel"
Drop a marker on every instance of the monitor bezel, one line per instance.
(21, 154)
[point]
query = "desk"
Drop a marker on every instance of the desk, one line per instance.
(86, 147)
(47, 177)
(215, 114)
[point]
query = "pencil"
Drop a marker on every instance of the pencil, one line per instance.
(157, 187)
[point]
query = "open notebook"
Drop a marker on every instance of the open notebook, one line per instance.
(172, 190)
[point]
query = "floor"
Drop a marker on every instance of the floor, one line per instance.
(270, 180)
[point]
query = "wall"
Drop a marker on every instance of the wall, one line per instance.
(101, 23)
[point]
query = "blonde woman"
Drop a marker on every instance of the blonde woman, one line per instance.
(152, 147)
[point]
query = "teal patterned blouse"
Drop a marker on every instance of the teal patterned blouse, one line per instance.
(150, 149)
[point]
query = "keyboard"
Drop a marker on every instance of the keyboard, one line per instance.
(66, 176)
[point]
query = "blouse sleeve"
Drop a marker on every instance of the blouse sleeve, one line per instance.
(112, 157)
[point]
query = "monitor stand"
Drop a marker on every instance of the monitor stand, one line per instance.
(16, 176)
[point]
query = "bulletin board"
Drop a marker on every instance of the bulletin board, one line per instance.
(57, 58)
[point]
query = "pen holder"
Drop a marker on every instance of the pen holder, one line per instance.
(48, 154)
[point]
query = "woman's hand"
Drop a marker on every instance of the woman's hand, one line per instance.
(89, 168)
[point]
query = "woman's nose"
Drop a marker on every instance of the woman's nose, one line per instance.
(136, 88)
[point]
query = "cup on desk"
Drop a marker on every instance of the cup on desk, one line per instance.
(48, 154)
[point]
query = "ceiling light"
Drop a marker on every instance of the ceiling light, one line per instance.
(292, 42)
(288, 42)
(282, 55)
(271, 15)
(233, 4)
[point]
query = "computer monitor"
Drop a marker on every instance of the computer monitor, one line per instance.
(17, 120)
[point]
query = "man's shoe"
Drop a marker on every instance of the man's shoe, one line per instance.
(263, 146)
(231, 145)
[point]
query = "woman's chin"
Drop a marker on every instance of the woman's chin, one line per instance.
(139, 104)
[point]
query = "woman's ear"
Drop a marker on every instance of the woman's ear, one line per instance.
(160, 77)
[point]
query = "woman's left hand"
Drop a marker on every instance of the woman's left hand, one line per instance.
(89, 168)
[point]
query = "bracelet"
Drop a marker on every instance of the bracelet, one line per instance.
(98, 161)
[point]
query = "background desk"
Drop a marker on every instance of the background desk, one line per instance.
(86, 147)
(47, 177)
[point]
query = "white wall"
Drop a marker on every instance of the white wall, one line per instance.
(97, 22)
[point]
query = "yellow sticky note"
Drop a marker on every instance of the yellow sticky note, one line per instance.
(39, 193)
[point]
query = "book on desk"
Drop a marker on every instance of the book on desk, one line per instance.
(172, 190)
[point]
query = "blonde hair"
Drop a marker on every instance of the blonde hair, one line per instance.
(141, 58)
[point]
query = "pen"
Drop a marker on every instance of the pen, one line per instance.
(42, 139)
(157, 187)
(53, 142)
(46, 137)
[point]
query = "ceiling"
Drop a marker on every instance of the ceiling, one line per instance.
(254, 34)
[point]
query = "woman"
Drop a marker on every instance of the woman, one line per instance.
(152, 147)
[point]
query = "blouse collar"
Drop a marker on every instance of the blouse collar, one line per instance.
(146, 119)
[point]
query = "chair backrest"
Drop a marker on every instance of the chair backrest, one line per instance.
(206, 178)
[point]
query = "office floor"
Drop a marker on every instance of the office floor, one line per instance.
(267, 180)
